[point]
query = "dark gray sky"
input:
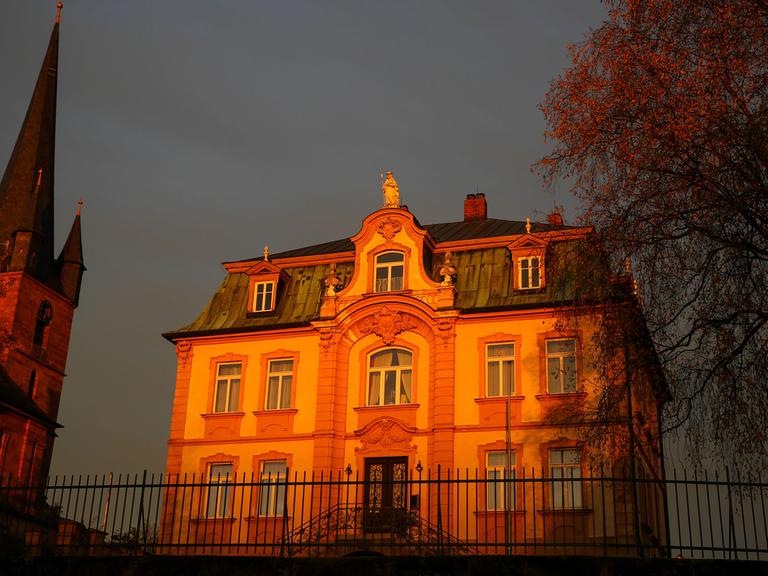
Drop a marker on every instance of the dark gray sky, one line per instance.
(197, 131)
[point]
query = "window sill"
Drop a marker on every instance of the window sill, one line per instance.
(495, 399)
(275, 411)
(261, 313)
(214, 415)
(387, 292)
(516, 512)
(222, 425)
(217, 520)
(277, 422)
(493, 410)
(553, 511)
(565, 396)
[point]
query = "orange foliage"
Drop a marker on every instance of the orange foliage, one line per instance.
(661, 121)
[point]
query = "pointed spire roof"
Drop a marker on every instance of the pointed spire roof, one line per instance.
(72, 252)
(26, 190)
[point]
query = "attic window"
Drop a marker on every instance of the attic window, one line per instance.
(263, 296)
(529, 270)
(389, 272)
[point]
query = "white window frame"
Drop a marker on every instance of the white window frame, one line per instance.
(388, 266)
(272, 480)
(565, 492)
(220, 490)
(382, 371)
(267, 291)
(529, 284)
(283, 399)
(499, 362)
(231, 400)
(499, 493)
(561, 356)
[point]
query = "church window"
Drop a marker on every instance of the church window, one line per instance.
(44, 318)
(389, 377)
(389, 272)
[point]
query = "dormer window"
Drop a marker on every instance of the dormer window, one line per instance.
(263, 296)
(528, 257)
(266, 278)
(529, 270)
(389, 272)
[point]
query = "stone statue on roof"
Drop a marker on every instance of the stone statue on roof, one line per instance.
(391, 192)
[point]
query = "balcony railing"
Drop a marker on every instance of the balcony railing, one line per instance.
(426, 513)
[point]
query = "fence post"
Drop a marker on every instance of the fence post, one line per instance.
(439, 514)
(141, 512)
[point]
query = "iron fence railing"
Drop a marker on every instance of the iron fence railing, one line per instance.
(455, 512)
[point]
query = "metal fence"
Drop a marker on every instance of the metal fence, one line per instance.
(440, 512)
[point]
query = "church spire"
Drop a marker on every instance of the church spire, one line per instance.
(71, 261)
(26, 190)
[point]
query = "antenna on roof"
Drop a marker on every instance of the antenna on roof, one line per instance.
(59, 6)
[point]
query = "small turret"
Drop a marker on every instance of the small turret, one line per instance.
(70, 261)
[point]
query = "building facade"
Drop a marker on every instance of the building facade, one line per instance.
(38, 291)
(407, 352)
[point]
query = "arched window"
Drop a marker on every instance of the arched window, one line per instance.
(44, 318)
(389, 272)
(389, 377)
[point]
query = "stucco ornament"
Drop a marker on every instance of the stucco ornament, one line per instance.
(386, 433)
(183, 349)
(387, 324)
(447, 270)
(388, 228)
(391, 192)
(332, 281)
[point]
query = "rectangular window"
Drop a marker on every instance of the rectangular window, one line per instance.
(279, 383)
(561, 366)
(530, 272)
(272, 488)
(219, 490)
(500, 476)
(227, 387)
(565, 472)
(500, 369)
(263, 296)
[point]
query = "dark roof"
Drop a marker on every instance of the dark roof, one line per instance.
(25, 205)
(483, 281)
(487, 228)
(72, 251)
(445, 232)
(11, 395)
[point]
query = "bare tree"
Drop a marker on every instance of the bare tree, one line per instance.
(661, 121)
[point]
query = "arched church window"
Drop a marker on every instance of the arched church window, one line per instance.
(44, 318)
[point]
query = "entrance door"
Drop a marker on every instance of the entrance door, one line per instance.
(384, 503)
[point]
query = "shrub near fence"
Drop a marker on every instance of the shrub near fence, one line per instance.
(455, 512)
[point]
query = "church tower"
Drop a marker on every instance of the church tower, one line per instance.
(38, 291)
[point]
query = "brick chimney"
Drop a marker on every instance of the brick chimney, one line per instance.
(555, 217)
(475, 207)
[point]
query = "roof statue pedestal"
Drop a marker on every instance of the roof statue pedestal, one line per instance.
(446, 293)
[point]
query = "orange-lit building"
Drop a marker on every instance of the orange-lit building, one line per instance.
(400, 351)
(38, 291)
